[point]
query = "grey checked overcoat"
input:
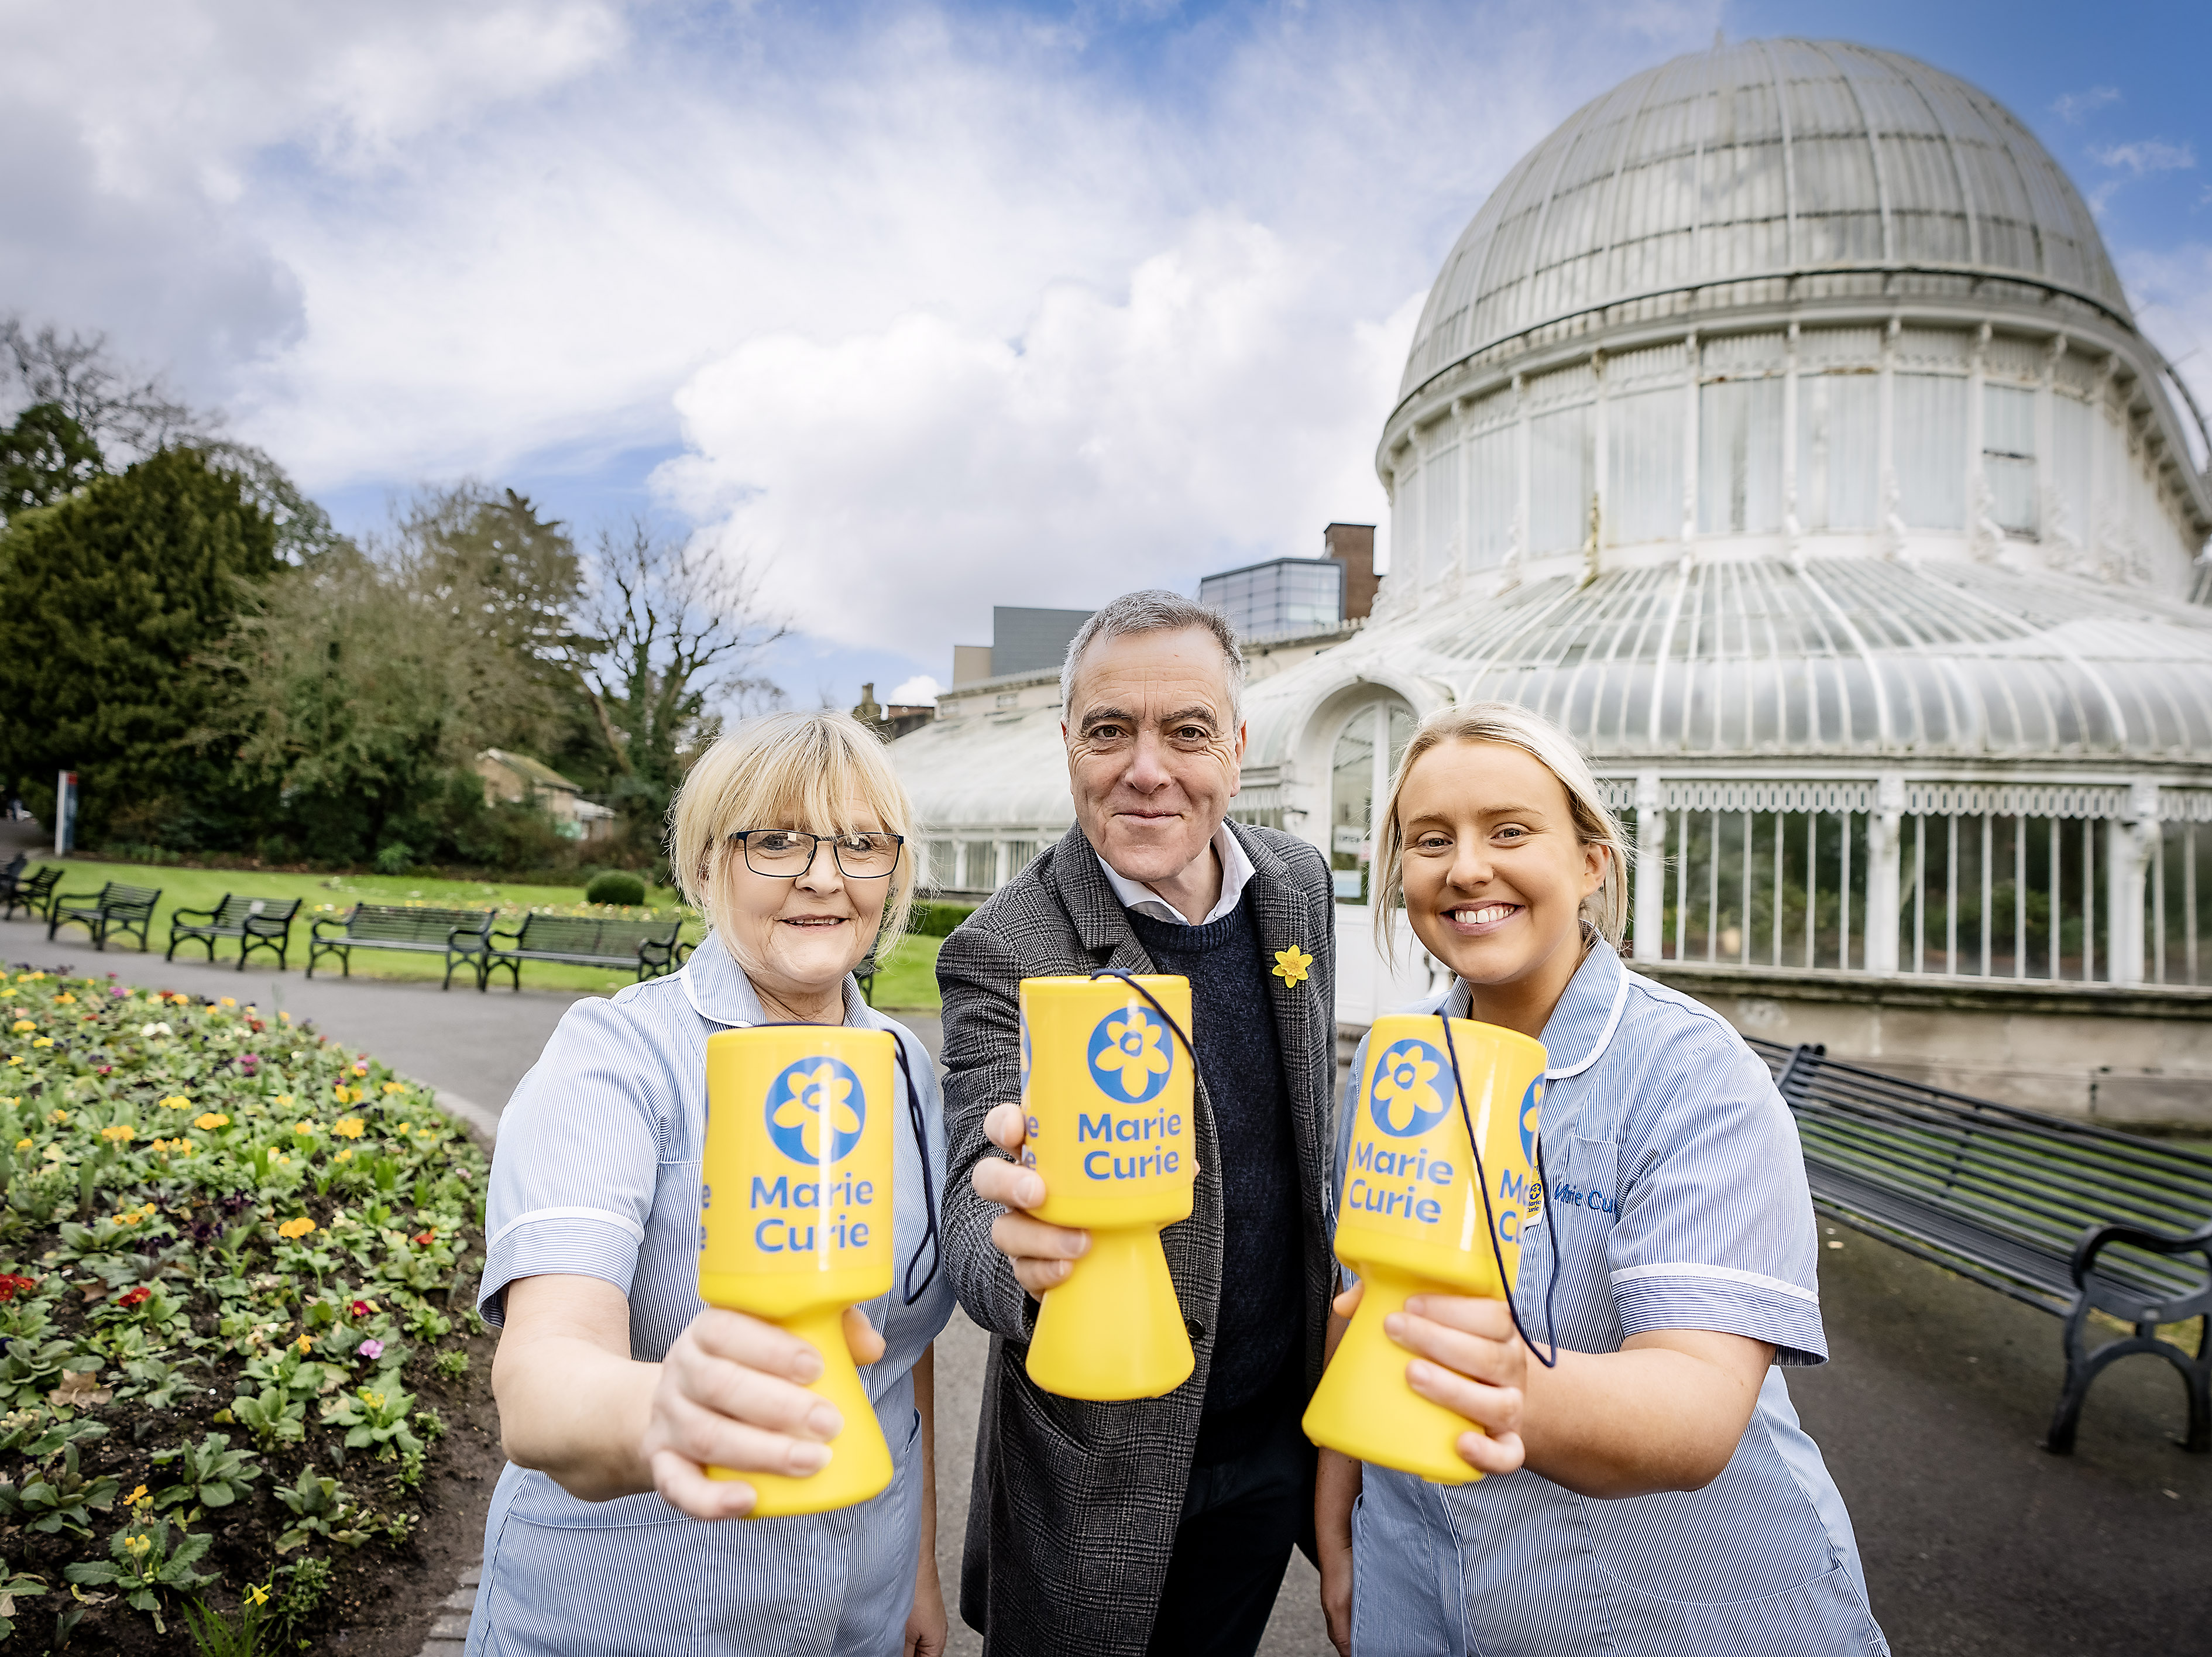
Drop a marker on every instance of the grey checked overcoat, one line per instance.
(1075, 1505)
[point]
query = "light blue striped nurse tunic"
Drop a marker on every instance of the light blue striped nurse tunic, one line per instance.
(598, 1173)
(1677, 1200)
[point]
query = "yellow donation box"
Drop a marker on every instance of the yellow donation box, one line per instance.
(796, 1221)
(1106, 1087)
(1414, 1220)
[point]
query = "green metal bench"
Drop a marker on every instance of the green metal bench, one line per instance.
(458, 935)
(256, 922)
(2058, 1214)
(34, 892)
(115, 910)
(648, 947)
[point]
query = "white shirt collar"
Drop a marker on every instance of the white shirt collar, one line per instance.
(1235, 871)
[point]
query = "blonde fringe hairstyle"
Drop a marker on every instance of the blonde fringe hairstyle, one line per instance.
(1605, 909)
(821, 771)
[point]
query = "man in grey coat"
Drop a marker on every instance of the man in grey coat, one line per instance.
(1161, 1525)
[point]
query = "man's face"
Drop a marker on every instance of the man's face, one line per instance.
(1153, 750)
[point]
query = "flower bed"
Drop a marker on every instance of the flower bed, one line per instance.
(235, 1261)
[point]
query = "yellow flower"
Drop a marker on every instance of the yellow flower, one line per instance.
(306, 1343)
(228, 1001)
(43, 1041)
(209, 1121)
(282, 1160)
(135, 1497)
(395, 1086)
(59, 1118)
(299, 1228)
(1292, 964)
(259, 1596)
(22, 1144)
(405, 1127)
(308, 1128)
(121, 1134)
(22, 1024)
(180, 1000)
(177, 1102)
(284, 1098)
(373, 1400)
(351, 1126)
(137, 1546)
(65, 999)
(343, 1156)
(285, 1018)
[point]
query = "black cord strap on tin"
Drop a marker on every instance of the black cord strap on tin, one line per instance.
(1130, 979)
(929, 1237)
(1482, 1183)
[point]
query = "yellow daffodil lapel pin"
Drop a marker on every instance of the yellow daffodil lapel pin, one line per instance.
(1291, 964)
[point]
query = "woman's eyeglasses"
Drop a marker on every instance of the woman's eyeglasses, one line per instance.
(787, 853)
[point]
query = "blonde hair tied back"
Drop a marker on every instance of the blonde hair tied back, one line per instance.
(819, 770)
(1605, 909)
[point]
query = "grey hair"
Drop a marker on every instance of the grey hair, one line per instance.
(1154, 610)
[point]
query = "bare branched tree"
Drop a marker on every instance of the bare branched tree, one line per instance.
(124, 410)
(671, 631)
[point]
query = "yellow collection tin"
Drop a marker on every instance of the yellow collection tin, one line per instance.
(795, 1219)
(1412, 1219)
(1107, 1093)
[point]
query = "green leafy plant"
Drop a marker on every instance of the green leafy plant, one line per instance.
(209, 1474)
(615, 885)
(272, 1415)
(142, 1564)
(60, 1497)
(451, 1364)
(215, 1634)
(376, 1417)
(14, 1586)
(321, 1508)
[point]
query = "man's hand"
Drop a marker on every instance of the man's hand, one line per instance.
(1042, 1255)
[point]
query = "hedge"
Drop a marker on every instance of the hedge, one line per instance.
(231, 1250)
(937, 920)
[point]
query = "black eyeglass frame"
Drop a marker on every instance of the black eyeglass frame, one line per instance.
(743, 836)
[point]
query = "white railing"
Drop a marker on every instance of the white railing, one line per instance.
(2060, 882)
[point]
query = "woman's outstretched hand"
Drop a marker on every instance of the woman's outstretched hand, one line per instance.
(732, 1393)
(1467, 1357)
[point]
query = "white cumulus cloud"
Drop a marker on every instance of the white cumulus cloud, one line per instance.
(1218, 411)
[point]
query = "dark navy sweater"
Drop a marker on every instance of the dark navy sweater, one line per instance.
(1260, 1327)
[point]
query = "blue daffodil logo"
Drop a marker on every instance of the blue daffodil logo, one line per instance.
(814, 1110)
(1130, 1055)
(1404, 1098)
(1532, 1105)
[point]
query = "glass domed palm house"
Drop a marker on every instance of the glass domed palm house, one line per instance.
(1780, 427)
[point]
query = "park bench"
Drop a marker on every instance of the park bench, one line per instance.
(2058, 1214)
(648, 947)
(458, 935)
(114, 909)
(33, 893)
(256, 922)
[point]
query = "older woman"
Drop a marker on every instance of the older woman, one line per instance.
(617, 1386)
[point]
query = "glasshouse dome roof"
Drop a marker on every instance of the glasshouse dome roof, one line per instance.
(1763, 158)
(1760, 659)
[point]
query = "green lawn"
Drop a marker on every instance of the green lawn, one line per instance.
(908, 979)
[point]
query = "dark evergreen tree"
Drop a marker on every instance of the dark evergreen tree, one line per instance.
(111, 599)
(44, 456)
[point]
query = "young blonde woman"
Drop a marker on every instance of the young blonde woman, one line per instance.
(617, 1386)
(1653, 1492)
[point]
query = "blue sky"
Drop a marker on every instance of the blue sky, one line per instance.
(920, 309)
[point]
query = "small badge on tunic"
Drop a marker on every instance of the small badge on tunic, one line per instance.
(1291, 965)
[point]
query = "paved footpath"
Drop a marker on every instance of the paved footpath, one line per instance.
(1975, 1541)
